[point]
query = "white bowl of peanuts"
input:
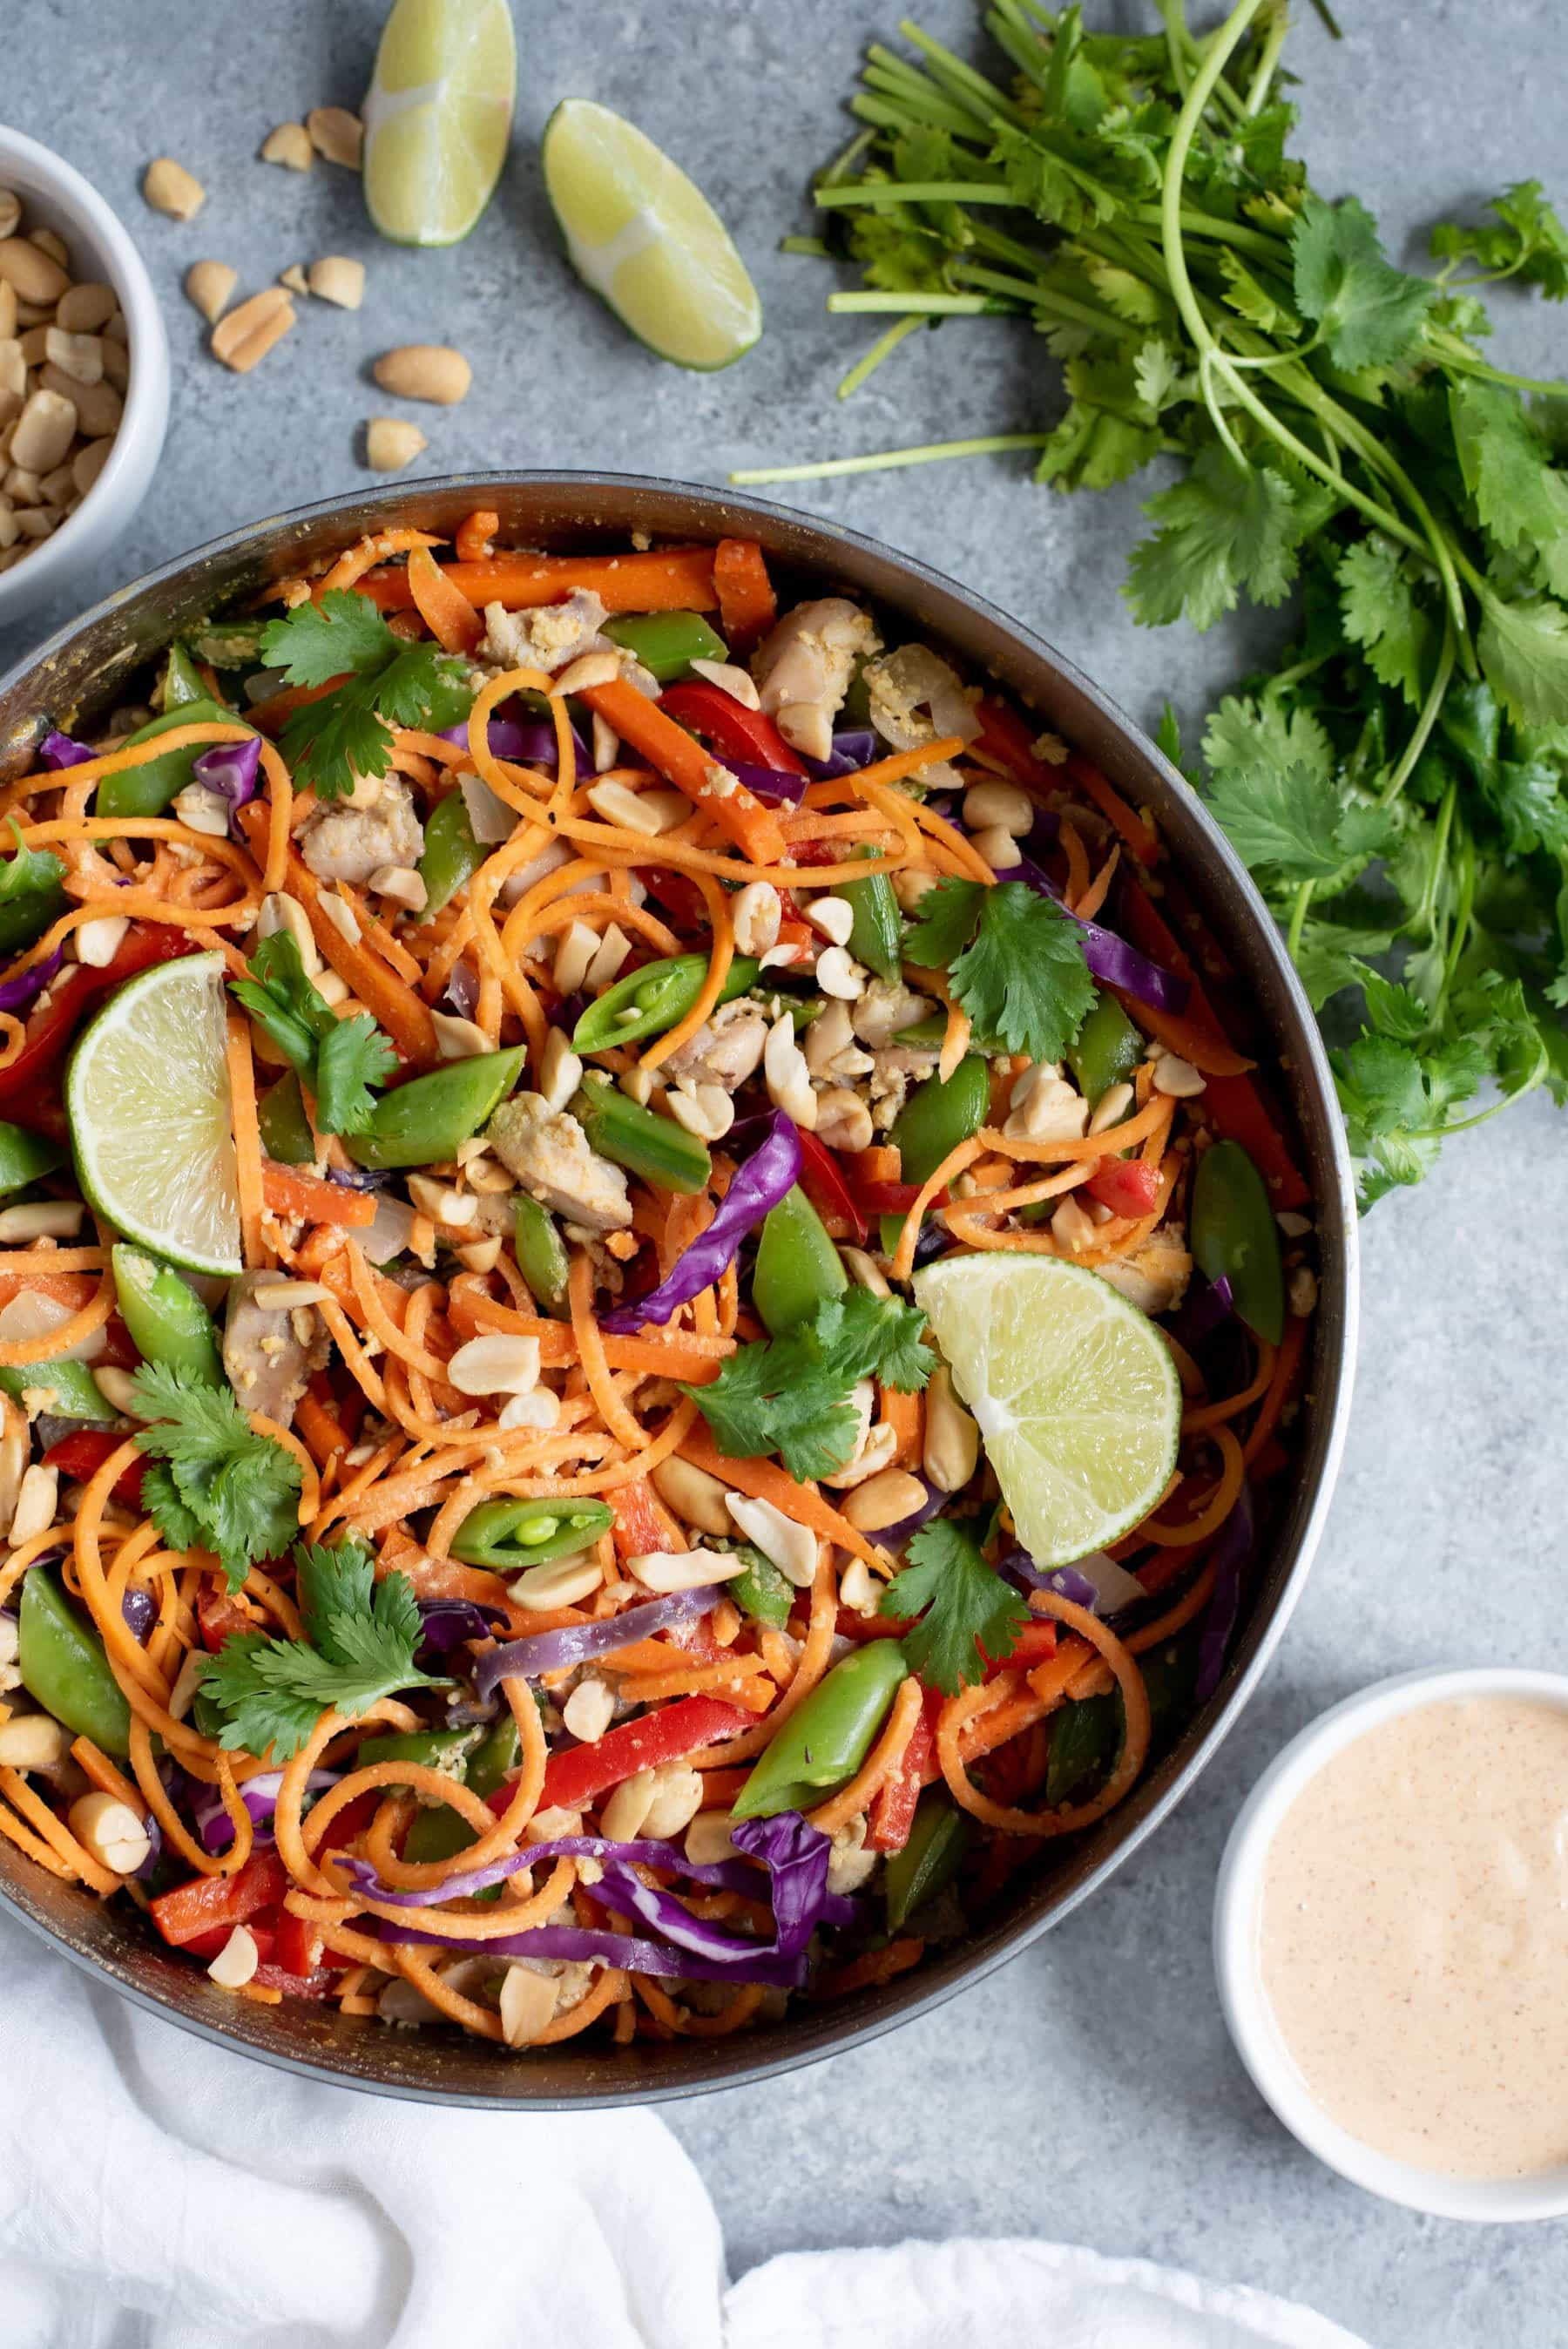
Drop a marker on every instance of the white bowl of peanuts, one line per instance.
(84, 374)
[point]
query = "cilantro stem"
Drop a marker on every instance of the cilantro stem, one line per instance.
(933, 453)
(883, 348)
(812, 247)
(961, 81)
(933, 305)
(1298, 914)
(877, 193)
(1425, 721)
(1268, 58)
(1465, 362)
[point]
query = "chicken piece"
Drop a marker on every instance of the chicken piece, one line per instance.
(549, 1153)
(346, 843)
(1153, 1277)
(546, 638)
(914, 696)
(803, 668)
(887, 1008)
(724, 1051)
(264, 1358)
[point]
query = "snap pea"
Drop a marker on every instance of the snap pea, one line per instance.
(452, 855)
(437, 1832)
(1233, 1234)
(877, 937)
(764, 1591)
(935, 1119)
(506, 1534)
(662, 1152)
(647, 1001)
(427, 1120)
(826, 1739)
(148, 790)
(227, 644)
(31, 893)
(25, 1156)
(929, 1860)
(855, 709)
(1107, 1049)
(167, 1321)
(666, 642)
(180, 682)
(63, 1668)
(285, 1129)
(926, 1035)
(446, 1749)
(70, 1386)
(1084, 1740)
(797, 1263)
(540, 1251)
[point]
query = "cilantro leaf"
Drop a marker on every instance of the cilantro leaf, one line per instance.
(362, 1637)
(1227, 526)
(967, 1613)
(1528, 242)
(1521, 500)
(340, 1059)
(1248, 734)
(384, 683)
(1524, 649)
(1016, 959)
(224, 1488)
(1370, 314)
(1381, 615)
(791, 1395)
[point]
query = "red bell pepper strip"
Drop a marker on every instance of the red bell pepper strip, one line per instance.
(643, 1523)
(218, 1617)
(574, 1779)
(210, 1903)
(1036, 1644)
(825, 1187)
(1008, 738)
(82, 1453)
(298, 1949)
(1234, 1104)
(892, 1198)
(260, 1927)
(51, 1028)
(728, 727)
(1128, 1186)
(892, 1807)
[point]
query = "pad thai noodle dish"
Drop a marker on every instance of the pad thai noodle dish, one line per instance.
(653, 1287)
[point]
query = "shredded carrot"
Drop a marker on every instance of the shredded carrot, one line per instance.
(1140, 836)
(676, 579)
(682, 760)
(476, 535)
(746, 606)
(441, 603)
(288, 1192)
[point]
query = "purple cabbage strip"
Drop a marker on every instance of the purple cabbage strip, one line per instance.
(359, 1178)
(1068, 1583)
(1109, 957)
(229, 771)
(769, 783)
(695, 1941)
(260, 1797)
(553, 1652)
(797, 1855)
(854, 747)
(583, 1945)
(529, 740)
(57, 750)
(141, 1611)
(1230, 1554)
(767, 1177)
(1202, 1313)
(17, 994)
(462, 990)
(724, 1875)
(446, 1623)
(894, 1536)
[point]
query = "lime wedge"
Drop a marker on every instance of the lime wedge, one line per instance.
(438, 117)
(1074, 1389)
(645, 239)
(148, 1099)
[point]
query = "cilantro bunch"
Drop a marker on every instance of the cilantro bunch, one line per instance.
(791, 1395)
(211, 1482)
(376, 680)
(340, 1060)
(1398, 781)
(1015, 962)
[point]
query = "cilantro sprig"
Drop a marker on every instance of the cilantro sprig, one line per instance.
(378, 682)
(967, 1613)
(212, 1483)
(1016, 961)
(340, 1059)
(361, 1635)
(1398, 779)
(791, 1395)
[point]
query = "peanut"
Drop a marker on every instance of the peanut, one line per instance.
(33, 277)
(247, 335)
(290, 146)
(169, 188)
(337, 135)
(210, 283)
(87, 308)
(390, 444)
(335, 278)
(45, 430)
(427, 372)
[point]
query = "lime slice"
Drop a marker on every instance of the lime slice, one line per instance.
(645, 239)
(148, 1099)
(1074, 1389)
(438, 118)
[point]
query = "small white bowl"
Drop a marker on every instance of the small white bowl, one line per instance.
(1248, 2015)
(56, 196)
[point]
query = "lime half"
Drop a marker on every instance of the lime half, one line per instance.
(1074, 1389)
(438, 117)
(148, 1099)
(645, 239)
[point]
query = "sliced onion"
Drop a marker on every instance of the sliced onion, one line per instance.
(767, 1177)
(555, 1652)
(923, 680)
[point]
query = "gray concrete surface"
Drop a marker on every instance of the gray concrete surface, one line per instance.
(1087, 2093)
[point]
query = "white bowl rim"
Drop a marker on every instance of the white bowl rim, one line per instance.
(146, 405)
(1544, 2195)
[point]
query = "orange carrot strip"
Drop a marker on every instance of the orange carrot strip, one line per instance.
(675, 579)
(746, 605)
(765, 1481)
(476, 535)
(1140, 836)
(288, 1192)
(441, 604)
(681, 760)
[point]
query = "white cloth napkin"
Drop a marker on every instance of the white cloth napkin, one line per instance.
(158, 2192)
